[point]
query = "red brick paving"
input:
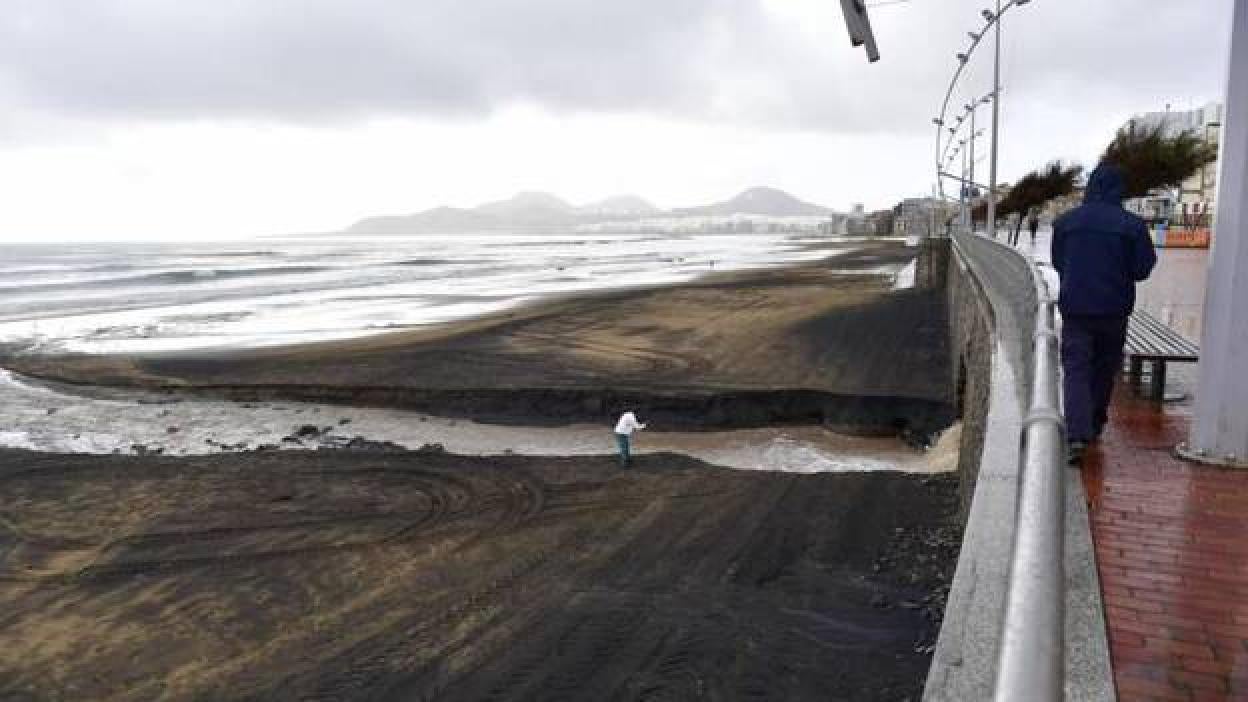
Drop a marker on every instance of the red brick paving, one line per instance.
(1172, 550)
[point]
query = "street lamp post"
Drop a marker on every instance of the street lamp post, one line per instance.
(993, 22)
(965, 190)
(859, 25)
(971, 174)
(991, 223)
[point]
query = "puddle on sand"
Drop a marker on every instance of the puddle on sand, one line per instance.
(48, 417)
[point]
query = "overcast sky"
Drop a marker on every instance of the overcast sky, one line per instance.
(228, 118)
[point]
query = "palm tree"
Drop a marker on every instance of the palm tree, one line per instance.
(1037, 188)
(1150, 159)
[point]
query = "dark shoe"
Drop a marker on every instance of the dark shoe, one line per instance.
(1075, 451)
(1098, 427)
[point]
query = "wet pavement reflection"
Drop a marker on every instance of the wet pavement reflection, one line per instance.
(1169, 535)
(1172, 556)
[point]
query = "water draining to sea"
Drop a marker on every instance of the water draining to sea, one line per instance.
(139, 298)
(49, 417)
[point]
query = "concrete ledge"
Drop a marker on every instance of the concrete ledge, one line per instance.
(991, 293)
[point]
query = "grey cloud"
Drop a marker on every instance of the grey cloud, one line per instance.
(724, 60)
(1119, 55)
(305, 59)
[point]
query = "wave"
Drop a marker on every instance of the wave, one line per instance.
(435, 262)
(231, 254)
(188, 276)
(145, 298)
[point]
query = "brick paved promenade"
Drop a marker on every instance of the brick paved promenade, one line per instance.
(1171, 536)
(1172, 550)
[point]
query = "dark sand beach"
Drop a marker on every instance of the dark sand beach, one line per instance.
(341, 575)
(804, 344)
(382, 574)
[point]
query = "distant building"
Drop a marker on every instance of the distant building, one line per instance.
(878, 223)
(913, 217)
(716, 224)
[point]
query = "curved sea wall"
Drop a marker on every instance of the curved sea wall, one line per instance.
(992, 314)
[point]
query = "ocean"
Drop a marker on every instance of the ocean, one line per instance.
(153, 297)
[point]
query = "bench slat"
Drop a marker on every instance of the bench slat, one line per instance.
(1165, 332)
(1142, 342)
(1149, 338)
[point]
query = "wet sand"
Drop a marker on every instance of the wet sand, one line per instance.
(58, 418)
(380, 574)
(820, 343)
(338, 575)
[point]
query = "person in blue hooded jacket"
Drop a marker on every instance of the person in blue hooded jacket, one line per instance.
(1100, 251)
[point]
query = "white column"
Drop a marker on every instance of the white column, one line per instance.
(1220, 427)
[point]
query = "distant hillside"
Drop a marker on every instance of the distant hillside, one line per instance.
(527, 209)
(758, 201)
(620, 206)
(543, 210)
(439, 219)
(530, 209)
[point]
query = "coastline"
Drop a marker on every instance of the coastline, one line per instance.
(825, 342)
(360, 569)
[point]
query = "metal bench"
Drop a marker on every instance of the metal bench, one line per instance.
(1148, 339)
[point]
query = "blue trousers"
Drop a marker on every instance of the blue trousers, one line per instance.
(1091, 357)
(625, 442)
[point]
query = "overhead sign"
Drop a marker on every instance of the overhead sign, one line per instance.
(859, 25)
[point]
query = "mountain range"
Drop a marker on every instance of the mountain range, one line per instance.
(538, 209)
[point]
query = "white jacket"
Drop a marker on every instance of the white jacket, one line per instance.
(627, 424)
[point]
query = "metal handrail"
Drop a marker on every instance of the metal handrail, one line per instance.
(1031, 659)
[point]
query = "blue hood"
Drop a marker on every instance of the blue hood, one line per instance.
(1101, 250)
(1105, 185)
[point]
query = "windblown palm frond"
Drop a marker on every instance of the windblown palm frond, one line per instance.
(1039, 187)
(1149, 158)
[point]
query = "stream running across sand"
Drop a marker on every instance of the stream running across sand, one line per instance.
(49, 417)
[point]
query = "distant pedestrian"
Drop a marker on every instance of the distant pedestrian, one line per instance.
(624, 436)
(1100, 251)
(1033, 225)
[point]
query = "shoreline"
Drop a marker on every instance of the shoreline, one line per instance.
(358, 568)
(559, 274)
(803, 344)
(49, 417)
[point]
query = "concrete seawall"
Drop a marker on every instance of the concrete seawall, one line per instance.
(992, 302)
